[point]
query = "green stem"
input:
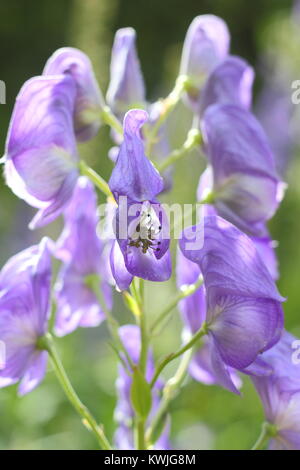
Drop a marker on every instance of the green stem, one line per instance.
(199, 334)
(168, 104)
(171, 389)
(140, 430)
(193, 140)
(95, 178)
(267, 431)
(46, 343)
(143, 327)
(187, 291)
(110, 119)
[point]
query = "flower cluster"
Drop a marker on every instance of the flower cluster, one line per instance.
(230, 305)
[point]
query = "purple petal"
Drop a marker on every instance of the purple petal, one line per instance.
(134, 175)
(126, 88)
(89, 101)
(122, 277)
(34, 374)
(230, 83)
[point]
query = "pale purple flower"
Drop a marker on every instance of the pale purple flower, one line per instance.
(280, 393)
(126, 88)
(41, 157)
(89, 101)
(24, 312)
(243, 307)
(124, 413)
(82, 252)
(245, 185)
(206, 45)
(229, 83)
(135, 183)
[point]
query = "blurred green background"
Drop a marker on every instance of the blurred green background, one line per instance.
(265, 33)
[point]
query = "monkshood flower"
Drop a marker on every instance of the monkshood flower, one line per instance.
(89, 101)
(124, 413)
(193, 310)
(144, 236)
(246, 189)
(126, 88)
(24, 312)
(229, 83)
(41, 156)
(280, 394)
(244, 316)
(81, 250)
(206, 45)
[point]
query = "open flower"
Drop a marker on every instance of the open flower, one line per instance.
(84, 268)
(89, 101)
(41, 156)
(246, 189)
(141, 224)
(124, 413)
(24, 312)
(206, 45)
(244, 317)
(280, 393)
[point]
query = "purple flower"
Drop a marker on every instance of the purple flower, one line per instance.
(229, 83)
(82, 252)
(141, 224)
(89, 101)
(124, 414)
(24, 312)
(126, 88)
(206, 45)
(280, 393)
(193, 310)
(243, 307)
(41, 156)
(245, 185)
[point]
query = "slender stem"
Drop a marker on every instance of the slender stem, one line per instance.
(182, 294)
(171, 389)
(46, 343)
(140, 430)
(95, 178)
(267, 431)
(193, 140)
(168, 104)
(199, 334)
(110, 119)
(144, 332)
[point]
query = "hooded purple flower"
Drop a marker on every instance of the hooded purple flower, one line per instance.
(24, 312)
(126, 88)
(280, 393)
(245, 185)
(206, 44)
(141, 224)
(41, 156)
(89, 101)
(243, 307)
(193, 310)
(124, 414)
(82, 252)
(229, 83)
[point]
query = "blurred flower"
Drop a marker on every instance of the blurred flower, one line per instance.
(206, 44)
(245, 186)
(124, 414)
(24, 311)
(243, 307)
(280, 394)
(135, 183)
(126, 88)
(89, 101)
(229, 83)
(41, 156)
(82, 252)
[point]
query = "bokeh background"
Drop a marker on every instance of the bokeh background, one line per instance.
(265, 33)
